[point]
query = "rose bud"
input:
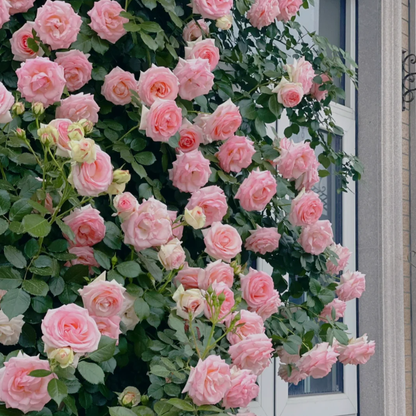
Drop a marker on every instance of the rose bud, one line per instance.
(171, 255)
(87, 125)
(189, 303)
(116, 188)
(83, 151)
(76, 132)
(129, 397)
(18, 108)
(121, 176)
(38, 109)
(195, 218)
(225, 22)
(48, 134)
(64, 357)
(20, 133)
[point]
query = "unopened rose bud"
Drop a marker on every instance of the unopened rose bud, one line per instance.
(116, 188)
(195, 218)
(225, 22)
(221, 298)
(20, 133)
(172, 255)
(75, 132)
(87, 125)
(129, 397)
(18, 108)
(237, 267)
(62, 356)
(48, 134)
(38, 109)
(189, 303)
(83, 151)
(121, 176)
(145, 400)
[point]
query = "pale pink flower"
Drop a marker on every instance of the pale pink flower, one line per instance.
(338, 305)
(191, 137)
(18, 42)
(315, 238)
(289, 94)
(351, 286)
(295, 376)
(20, 6)
(77, 107)
(189, 303)
(85, 256)
(243, 388)
(77, 68)
(301, 71)
(62, 124)
(358, 351)
(171, 255)
(125, 204)
(212, 9)
(6, 103)
(343, 256)
(188, 277)
(220, 289)
(288, 9)
(249, 324)
(318, 362)
(10, 329)
(177, 231)
(287, 358)
(222, 242)
(108, 326)
(192, 30)
(263, 240)
(306, 209)
(263, 12)
(204, 49)
(216, 271)
(236, 154)
(117, 86)
(4, 12)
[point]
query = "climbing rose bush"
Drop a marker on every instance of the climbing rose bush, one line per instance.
(142, 189)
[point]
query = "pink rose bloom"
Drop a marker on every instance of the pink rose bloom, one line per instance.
(172, 255)
(57, 24)
(315, 238)
(109, 327)
(288, 9)
(106, 20)
(287, 358)
(149, 226)
(190, 171)
(91, 179)
(177, 232)
(257, 190)
(125, 204)
(295, 376)
(4, 12)
(252, 353)
(263, 240)
(243, 389)
(157, 82)
(249, 324)
(103, 298)
(188, 277)
(41, 80)
(6, 103)
(191, 137)
(222, 242)
(18, 42)
(192, 30)
(85, 256)
(87, 225)
(358, 351)
(216, 272)
(117, 86)
(229, 302)
(62, 124)
(318, 362)
(289, 94)
(208, 381)
(351, 286)
(20, 6)
(162, 121)
(204, 49)
(19, 390)
(195, 78)
(339, 306)
(343, 256)
(70, 326)
(306, 209)
(223, 122)
(213, 202)
(270, 307)
(301, 71)
(316, 92)
(77, 68)
(212, 9)
(236, 154)
(79, 106)
(263, 12)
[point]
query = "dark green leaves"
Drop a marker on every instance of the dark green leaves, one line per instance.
(91, 372)
(15, 257)
(4, 202)
(105, 351)
(36, 287)
(58, 390)
(15, 302)
(36, 226)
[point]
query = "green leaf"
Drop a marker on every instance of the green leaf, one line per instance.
(131, 27)
(145, 158)
(4, 202)
(323, 173)
(155, 299)
(151, 27)
(105, 351)
(36, 287)
(36, 226)
(102, 259)
(314, 287)
(58, 390)
(143, 411)
(207, 408)
(38, 207)
(19, 209)
(141, 308)
(32, 44)
(291, 347)
(100, 46)
(9, 412)
(129, 269)
(160, 371)
(77, 274)
(181, 404)
(41, 304)
(120, 411)
(98, 74)
(66, 230)
(112, 237)
(148, 41)
(9, 278)
(341, 336)
(15, 257)
(3, 226)
(150, 4)
(40, 373)
(56, 285)
(83, 43)
(91, 372)
(15, 302)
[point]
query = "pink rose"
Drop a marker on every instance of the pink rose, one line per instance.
(315, 238)
(117, 86)
(188, 277)
(77, 68)
(243, 389)
(289, 94)
(191, 137)
(226, 306)
(306, 209)
(351, 286)
(148, 226)
(263, 240)
(318, 362)
(41, 80)
(249, 324)
(21, 391)
(171, 255)
(343, 256)
(338, 305)
(212, 9)
(236, 154)
(4, 12)
(263, 12)
(103, 298)
(216, 272)
(87, 225)
(62, 124)
(57, 24)
(308, 179)
(213, 202)
(287, 358)
(79, 106)
(195, 78)
(204, 49)
(70, 326)
(257, 190)
(190, 171)
(358, 351)
(20, 6)
(18, 42)
(189, 303)
(125, 204)
(295, 376)
(192, 30)
(157, 82)
(252, 353)
(301, 72)
(162, 121)
(208, 381)
(109, 327)
(106, 20)
(6, 103)
(85, 256)
(90, 179)
(223, 122)
(288, 9)
(222, 242)
(177, 231)
(270, 307)
(316, 91)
